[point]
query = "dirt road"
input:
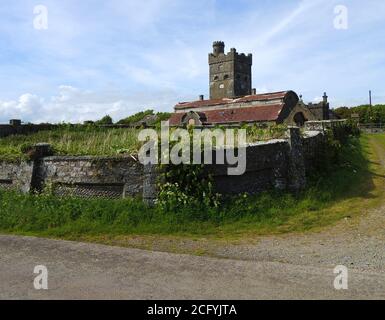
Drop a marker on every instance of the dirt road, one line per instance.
(88, 271)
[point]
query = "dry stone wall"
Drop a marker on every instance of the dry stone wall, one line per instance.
(92, 176)
(16, 175)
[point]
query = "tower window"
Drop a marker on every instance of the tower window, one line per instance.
(216, 78)
(226, 77)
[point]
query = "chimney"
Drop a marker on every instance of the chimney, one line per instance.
(201, 97)
(325, 98)
(254, 91)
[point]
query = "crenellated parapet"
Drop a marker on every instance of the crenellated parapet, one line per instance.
(231, 56)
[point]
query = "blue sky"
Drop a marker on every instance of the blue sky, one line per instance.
(118, 57)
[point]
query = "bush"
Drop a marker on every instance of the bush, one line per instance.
(106, 120)
(136, 117)
(186, 185)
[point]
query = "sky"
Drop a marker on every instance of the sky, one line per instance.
(90, 58)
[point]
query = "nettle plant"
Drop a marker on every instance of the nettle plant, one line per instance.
(186, 185)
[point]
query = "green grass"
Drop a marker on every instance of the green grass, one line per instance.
(355, 185)
(78, 140)
(380, 138)
(93, 141)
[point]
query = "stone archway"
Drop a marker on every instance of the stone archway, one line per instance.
(193, 118)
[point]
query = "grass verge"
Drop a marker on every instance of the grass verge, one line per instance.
(355, 185)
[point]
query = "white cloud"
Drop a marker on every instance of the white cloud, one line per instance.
(26, 105)
(74, 105)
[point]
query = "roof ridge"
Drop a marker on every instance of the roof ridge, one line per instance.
(203, 103)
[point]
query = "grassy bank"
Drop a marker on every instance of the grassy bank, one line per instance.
(354, 185)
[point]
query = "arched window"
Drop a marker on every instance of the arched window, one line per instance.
(226, 77)
(299, 119)
(216, 78)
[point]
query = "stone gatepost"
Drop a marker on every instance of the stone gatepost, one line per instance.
(296, 164)
(37, 153)
(150, 183)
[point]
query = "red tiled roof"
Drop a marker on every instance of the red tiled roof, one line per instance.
(176, 119)
(250, 114)
(213, 102)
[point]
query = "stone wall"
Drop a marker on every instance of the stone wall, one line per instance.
(323, 125)
(92, 176)
(372, 128)
(312, 146)
(275, 164)
(280, 164)
(16, 175)
(86, 177)
(266, 167)
(8, 129)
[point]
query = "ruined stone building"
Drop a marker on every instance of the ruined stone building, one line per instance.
(233, 101)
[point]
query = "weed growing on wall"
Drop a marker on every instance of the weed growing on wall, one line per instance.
(187, 186)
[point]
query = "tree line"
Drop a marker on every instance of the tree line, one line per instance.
(367, 114)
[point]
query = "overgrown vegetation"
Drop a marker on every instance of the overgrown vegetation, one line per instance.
(106, 120)
(328, 198)
(149, 116)
(74, 140)
(92, 140)
(367, 114)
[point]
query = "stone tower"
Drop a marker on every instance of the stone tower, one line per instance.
(230, 74)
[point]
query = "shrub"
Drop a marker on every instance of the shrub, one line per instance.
(106, 120)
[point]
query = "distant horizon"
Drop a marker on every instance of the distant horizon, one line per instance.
(72, 62)
(116, 120)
